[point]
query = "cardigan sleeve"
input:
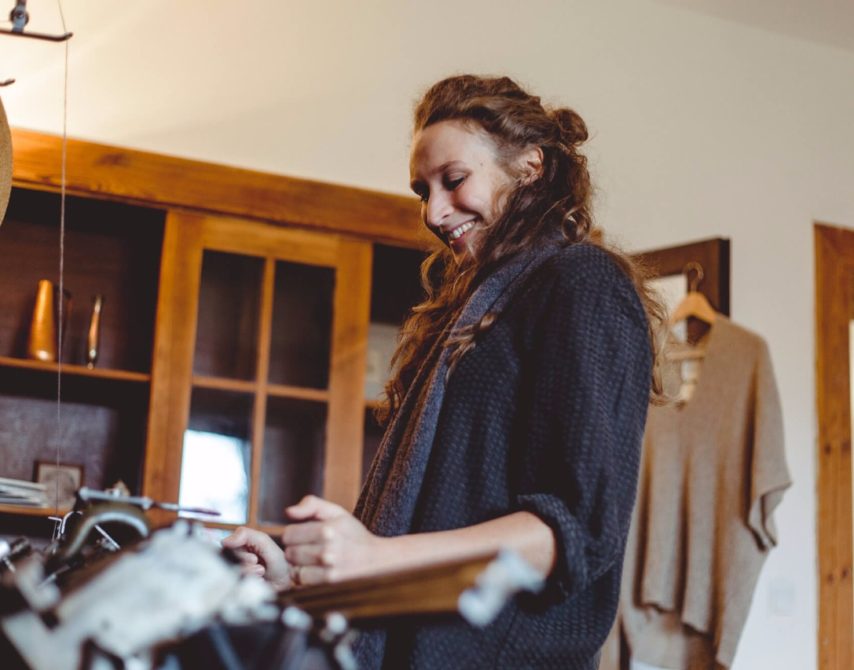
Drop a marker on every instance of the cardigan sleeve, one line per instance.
(588, 386)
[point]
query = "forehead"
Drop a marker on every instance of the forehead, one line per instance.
(448, 141)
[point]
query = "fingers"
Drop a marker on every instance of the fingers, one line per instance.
(247, 540)
(257, 570)
(246, 557)
(309, 575)
(309, 532)
(307, 554)
(237, 539)
(260, 555)
(312, 507)
(325, 544)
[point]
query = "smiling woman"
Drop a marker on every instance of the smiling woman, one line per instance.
(456, 173)
(517, 399)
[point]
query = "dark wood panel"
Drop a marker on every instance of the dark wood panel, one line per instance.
(110, 249)
(227, 324)
(301, 339)
(293, 456)
(713, 256)
(395, 283)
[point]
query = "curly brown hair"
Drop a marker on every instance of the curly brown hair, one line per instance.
(559, 200)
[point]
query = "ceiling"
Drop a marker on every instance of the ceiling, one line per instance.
(828, 22)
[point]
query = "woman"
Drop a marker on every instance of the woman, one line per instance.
(518, 398)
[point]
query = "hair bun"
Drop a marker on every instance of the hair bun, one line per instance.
(572, 129)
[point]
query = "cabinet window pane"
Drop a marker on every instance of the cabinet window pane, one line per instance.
(302, 325)
(216, 457)
(292, 464)
(227, 326)
(395, 289)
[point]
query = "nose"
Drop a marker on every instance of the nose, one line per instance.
(436, 209)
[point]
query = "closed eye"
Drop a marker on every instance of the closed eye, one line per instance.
(453, 184)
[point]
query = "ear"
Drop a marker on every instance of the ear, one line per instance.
(530, 163)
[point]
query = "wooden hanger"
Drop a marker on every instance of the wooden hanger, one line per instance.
(693, 305)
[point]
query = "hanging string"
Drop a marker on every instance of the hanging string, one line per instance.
(61, 297)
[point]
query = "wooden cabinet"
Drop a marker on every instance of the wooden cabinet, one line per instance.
(238, 315)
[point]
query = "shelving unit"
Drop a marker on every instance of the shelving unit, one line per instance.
(111, 249)
(237, 307)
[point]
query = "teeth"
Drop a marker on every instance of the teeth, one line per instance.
(457, 233)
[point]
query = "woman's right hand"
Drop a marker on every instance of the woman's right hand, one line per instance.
(260, 555)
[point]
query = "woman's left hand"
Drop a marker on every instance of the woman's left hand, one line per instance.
(327, 544)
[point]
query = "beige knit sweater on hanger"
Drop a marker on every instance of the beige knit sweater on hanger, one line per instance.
(713, 471)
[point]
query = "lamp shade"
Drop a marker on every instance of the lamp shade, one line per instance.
(5, 162)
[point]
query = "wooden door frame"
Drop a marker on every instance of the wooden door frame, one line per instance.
(834, 305)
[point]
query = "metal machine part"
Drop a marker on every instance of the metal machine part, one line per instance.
(19, 17)
(87, 495)
(159, 591)
(176, 600)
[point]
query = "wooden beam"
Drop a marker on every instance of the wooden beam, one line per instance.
(100, 170)
(834, 255)
(345, 423)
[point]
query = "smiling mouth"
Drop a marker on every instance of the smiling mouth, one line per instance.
(459, 231)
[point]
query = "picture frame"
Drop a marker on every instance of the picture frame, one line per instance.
(61, 481)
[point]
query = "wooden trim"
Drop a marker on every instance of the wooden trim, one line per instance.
(262, 367)
(346, 418)
(252, 238)
(74, 370)
(172, 364)
(297, 392)
(834, 264)
(426, 589)
(225, 384)
(24, 510)
(99, 170)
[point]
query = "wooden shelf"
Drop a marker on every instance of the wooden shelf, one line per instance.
(276, 390)
(224, 384)
(21, 510)
(74, 370)
(297, 392)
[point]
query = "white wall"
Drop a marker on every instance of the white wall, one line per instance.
(700, 128)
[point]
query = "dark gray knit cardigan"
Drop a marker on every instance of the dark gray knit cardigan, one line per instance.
(545, 414)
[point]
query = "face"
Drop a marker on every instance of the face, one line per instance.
(454, 169)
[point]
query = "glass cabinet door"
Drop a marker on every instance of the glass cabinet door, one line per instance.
(268, 405)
